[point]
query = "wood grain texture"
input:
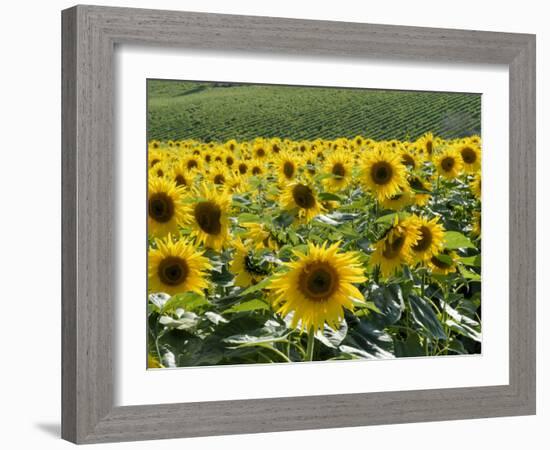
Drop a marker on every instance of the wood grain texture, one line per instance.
(90, 34)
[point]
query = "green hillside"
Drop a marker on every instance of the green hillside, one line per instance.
(221, 111)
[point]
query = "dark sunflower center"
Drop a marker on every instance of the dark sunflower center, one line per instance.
(243, 168)
(180, 180)
(161, 207)
(425, 241)
(381, 173)
(303, 196)
(260, 152)
(256, 170)
(229, 160)
(208, 215)
(468, 155)
(318, 281)
(160, 172)
(408, 160)
(173, 271)
(275, 148)
(339, 170)
(154, 161)
(415, 183)
(288, 169)
(393, 248)
(207, 158)
(219, 179)
(447, 163)
(191, 164)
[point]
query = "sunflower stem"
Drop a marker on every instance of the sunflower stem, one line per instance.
(310, 344)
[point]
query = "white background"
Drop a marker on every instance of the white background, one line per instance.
(30, 189)
(135, 386)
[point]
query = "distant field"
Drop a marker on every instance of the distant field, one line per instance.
(218, 112)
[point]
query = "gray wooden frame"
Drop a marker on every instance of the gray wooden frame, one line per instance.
(89, 37)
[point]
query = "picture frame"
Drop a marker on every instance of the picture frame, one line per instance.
(89, 37)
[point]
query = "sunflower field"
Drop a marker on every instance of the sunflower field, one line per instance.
(273, 250)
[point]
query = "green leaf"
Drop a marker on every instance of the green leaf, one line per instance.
(329, 196)
(463, 324)
(251, 305)
(249, 218)
(424, 315)
(257, 287)
(187, 321)
(189, 301)
(469, 275)
(474, 261)
(389, 301)
(454, 240)
(411, 346)
(332, 338)
(246, 340)
(215, 318)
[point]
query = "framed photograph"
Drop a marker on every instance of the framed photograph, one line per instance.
(278, 224)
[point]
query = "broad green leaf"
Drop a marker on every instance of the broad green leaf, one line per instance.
(244, 340)
(474, 261)
(411, 346)
(469, 275)
(454, 240)
(215, 318)
(425, 316)
(187, 321)
(332, 338)
(257, 287)
(248, 218)
(189, 301)
(251, 305)
(329, 196)
(158, 300)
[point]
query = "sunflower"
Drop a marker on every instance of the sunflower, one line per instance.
(394, 249)
(193, 162)
(209, 217)
(257, 168)
(318, 286)
(431, 238)
(408, 158)
(260, 150)
(241, 167)
(218, 175)
(449, 163)
(176, 267)
(181, 176)
(153, 363)
(476, 224)
(383, 173)
(398, 201)
(165, 210)
(247, 268)
(259, 235)
(160, 169)
(426, 145)
(420, 188)
(443, 263)
(237, 183)
(475, 186)
(154, 157)
(287, 166)
(302, 198)
(471, 156)
(338, 165)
